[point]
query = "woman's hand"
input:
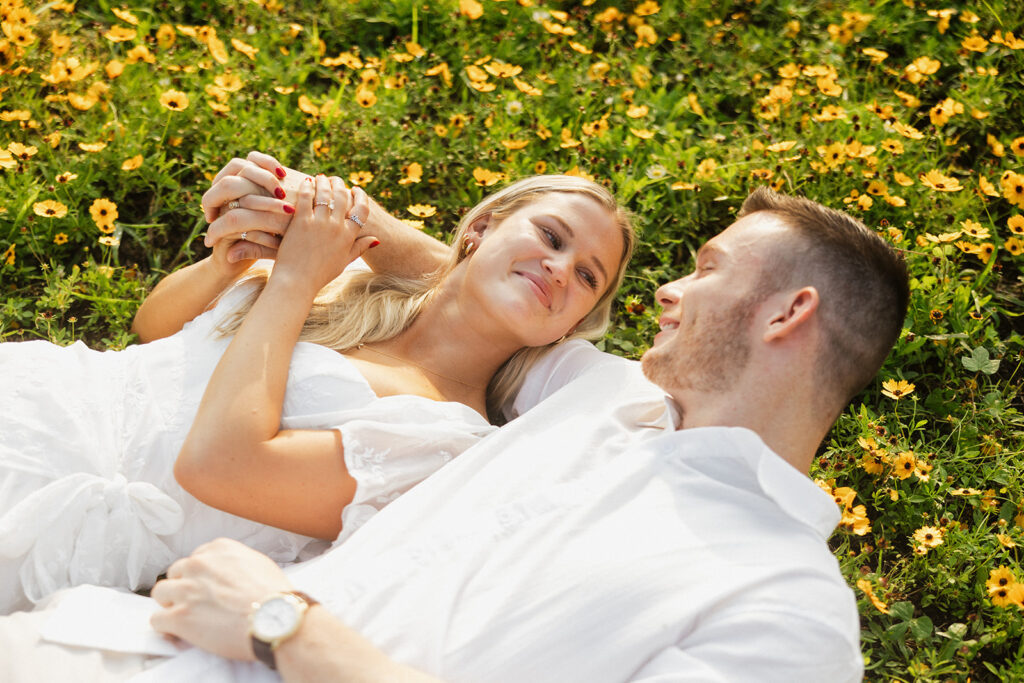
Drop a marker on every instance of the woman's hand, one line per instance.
(246, 197)
(323, 236)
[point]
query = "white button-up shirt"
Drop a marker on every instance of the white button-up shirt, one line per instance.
(590, 541)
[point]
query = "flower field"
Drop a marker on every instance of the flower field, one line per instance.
(907, 114)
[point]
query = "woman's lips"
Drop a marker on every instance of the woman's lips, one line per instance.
(539, 287)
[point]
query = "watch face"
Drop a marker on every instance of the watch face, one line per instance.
(276, 618)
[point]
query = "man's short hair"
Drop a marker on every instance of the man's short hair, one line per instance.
(860, 278)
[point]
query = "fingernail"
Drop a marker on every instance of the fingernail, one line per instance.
(279, 193)
(280, 172)
(375, 243)
(288, 209)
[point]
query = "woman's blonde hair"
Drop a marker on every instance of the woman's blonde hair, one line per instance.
(363, 307)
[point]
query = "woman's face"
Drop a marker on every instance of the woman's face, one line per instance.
(541, 269)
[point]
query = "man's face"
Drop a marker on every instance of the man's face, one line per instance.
(706, 337)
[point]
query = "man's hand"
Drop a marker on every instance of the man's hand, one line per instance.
(207, 597)
(247, 196)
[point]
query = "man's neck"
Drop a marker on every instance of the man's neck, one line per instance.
(792, 427)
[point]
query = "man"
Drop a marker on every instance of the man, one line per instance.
(587, 540)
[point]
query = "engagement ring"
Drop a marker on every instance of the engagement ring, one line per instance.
(357, 220)
(329, 205)
(244, 234)
(233, 204)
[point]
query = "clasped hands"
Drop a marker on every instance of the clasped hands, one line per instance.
(251, 217)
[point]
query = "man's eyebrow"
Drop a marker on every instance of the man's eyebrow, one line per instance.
(597, 262)
(708, 249)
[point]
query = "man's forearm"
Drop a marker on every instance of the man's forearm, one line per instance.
(327, 650)
(403, 249)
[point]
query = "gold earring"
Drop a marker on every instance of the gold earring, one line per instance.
(467, 248)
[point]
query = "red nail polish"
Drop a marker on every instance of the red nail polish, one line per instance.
(288, 209)
(279, 193)
(280, 172)
(374, 244)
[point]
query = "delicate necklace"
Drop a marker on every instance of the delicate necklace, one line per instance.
(364, 347)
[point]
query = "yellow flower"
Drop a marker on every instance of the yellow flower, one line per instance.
(647, 8)
(928, 537)
(140, 53)
(113, 68)
(874, 462)
(175, 100)
(165, 36)
(907, 131)
(904, 465)
(104, 213)
(974, 229)
(937, 181)
(568, 141)
(1013, 187)
(125, 16)
(1014, 245)
(1005, 541)
(877, 56)
(1016, 224)
(855, 521)
(366, 97)
(897, 389)
(246, 49)
(20, 151)
(49, 208)
(66, 177)
(642, 133)
(986, 188)
(361, 178)
(471, 9)
(119, 34)
(994, 144)
(783, 146)
(421, 210)
(92, 146)
(132, 163)
(974, 43)
(109, 240)
(487, 178)
(8, 256)
(637, 111)
(413, 173)
(706, 169)
(60, 238)
(865, 586)
(1017, 146)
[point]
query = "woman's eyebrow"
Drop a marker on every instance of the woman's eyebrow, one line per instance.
(597, 262)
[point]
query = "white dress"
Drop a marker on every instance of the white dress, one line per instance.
(88, 441)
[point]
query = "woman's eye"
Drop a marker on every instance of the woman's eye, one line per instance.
(553, 239)
(589, 278)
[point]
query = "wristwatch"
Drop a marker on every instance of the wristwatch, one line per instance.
(274, 620)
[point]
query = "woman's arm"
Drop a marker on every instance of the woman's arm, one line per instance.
(235, 458)
(404, 250)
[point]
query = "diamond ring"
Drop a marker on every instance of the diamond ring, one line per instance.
(357, 220)
(329, 205)
(233, 204)
(243, 235)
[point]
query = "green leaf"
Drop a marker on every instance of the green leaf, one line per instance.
(979, 361)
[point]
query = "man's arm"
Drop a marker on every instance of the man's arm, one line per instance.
(207, 599)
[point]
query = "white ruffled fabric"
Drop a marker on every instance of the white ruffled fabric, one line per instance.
(88, 440)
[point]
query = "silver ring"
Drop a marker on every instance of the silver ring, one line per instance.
(243, 235)
(357, 220)
(233, 204)
(329, 205)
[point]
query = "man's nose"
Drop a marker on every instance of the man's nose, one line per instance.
(669, 293)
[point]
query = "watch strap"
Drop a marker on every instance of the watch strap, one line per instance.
(264, 650)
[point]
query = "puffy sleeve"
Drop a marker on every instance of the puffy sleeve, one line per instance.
(398, 441)
(560, 366)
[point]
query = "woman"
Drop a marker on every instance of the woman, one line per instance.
(274, 457)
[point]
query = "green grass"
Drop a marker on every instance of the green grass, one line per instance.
(721, 81)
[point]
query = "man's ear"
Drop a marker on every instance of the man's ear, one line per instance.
(790, 313)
